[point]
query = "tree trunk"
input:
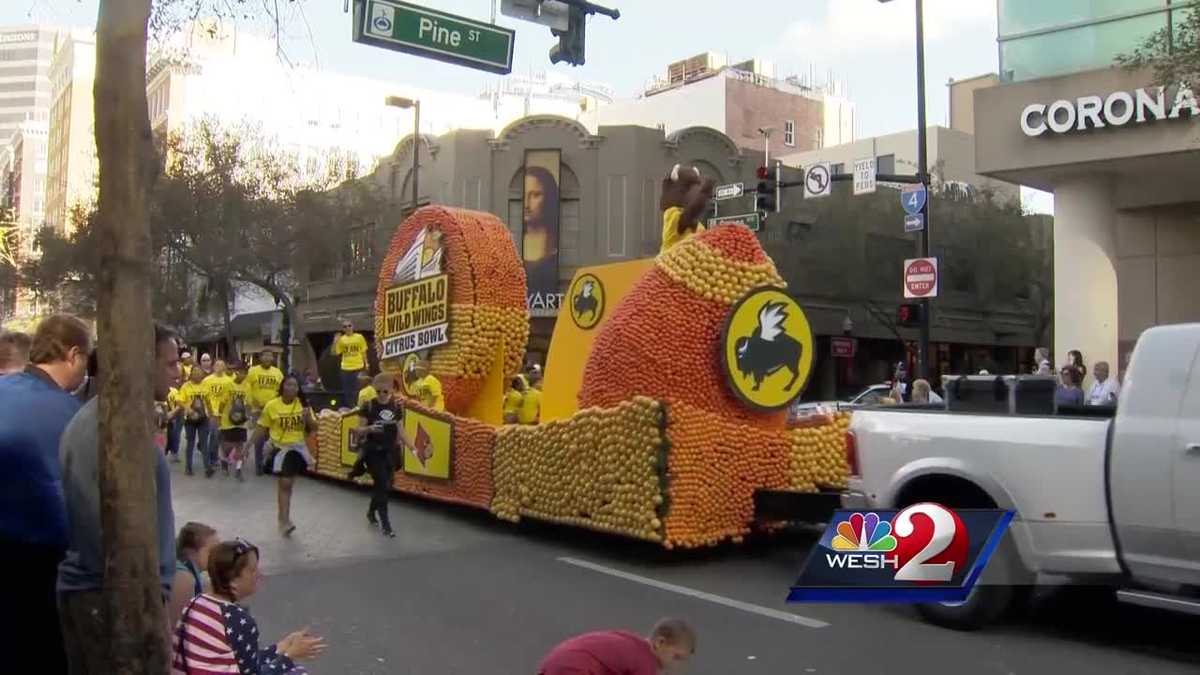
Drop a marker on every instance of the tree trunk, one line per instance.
(230, 347)
(299, 327)
(128, 513)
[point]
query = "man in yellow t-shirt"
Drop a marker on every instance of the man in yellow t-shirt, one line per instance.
(174, 423)
(428, 387)
(235, 418)
(512, 399)
(366, 392)
(531, 403)
(264, 379)
(352, 347)
(216, 386)
(193, 398)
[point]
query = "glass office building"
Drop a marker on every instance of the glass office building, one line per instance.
(1119, 150)
(1042, 38)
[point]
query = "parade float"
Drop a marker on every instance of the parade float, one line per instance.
(666, 385)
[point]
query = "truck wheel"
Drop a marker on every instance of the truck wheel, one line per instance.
(1004, 589)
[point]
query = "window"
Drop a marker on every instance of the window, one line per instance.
(885, 164)
(360, 251)
(1076, 49)
(1022, 16)
(789, 133)
(837, 168)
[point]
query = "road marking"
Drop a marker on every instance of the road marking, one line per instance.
(699, 595)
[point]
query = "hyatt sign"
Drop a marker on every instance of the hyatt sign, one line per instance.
(1116, 110)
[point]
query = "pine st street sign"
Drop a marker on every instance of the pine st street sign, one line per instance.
(402, 27)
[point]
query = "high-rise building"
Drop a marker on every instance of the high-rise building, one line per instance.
(25, 54)
(71, 165)
(745, 101)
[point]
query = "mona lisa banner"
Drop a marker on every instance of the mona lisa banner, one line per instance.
(539, 234)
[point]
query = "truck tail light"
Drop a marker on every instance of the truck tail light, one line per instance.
(852, 454)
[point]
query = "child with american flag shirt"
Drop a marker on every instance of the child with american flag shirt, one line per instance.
(216, 635)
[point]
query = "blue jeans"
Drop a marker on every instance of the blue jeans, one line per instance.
(174, 429)
(197, 434)
(350, 387)
(214, 441)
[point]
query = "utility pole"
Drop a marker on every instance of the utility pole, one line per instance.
(923, 369)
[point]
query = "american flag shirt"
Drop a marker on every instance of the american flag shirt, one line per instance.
(215, 637)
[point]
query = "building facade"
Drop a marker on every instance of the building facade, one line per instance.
(743, 101)
(1120, 152)
(72, 164)
(25, 56)
(951, 158)
(841, 256)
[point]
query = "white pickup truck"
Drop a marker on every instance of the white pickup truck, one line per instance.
(1112, 501)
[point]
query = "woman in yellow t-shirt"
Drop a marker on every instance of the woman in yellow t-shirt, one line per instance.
(531, 403)
(286, 420)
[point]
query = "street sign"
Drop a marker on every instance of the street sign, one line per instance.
(914, 223)
(550, 13)
(817, 181)
(402, 27)
(750, 220)
(864, 176)
(912, 198)
(921, 278)
(729, 191)
(843, 347)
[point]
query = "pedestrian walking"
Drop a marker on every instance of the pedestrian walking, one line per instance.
(197, 412)
(33, 520)
(351, 346)
(671, 643)
(216, 387)
(1105, 389)
(235, 418)
(216, 634)
(265, 379)
(286, 420)
(81, 576)
(14, 351)
(379, 442)
(175, 412)
(922, 392)
(192, 547)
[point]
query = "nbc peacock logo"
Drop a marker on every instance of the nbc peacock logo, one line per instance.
(864, 532)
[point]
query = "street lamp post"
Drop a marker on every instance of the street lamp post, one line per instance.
(923, 177)
(406, 103)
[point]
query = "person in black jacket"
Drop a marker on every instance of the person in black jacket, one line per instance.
(379, 443)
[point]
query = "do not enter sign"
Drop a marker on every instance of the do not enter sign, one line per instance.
(921, 278)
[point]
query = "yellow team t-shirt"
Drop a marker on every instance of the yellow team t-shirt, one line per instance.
(235, 391)
(173, 400)
(531, 406)
(353, 350)
(189, 393)
(285, 421)
(264, 384)
(670, 231)
(216, 386)
(186, 371)
(429, 391)
(512, 402)
(366, 395)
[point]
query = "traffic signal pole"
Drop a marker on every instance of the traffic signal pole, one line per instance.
(923, 369)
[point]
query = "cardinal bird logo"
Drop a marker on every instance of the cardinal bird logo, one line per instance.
(769, 349)
(422, 445)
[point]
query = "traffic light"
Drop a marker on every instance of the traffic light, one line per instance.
(570, 47)
(909, 315)
(766, 198)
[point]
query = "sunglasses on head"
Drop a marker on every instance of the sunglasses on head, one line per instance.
(242, 547)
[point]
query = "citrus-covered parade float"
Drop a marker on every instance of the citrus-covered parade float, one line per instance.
(666, 385)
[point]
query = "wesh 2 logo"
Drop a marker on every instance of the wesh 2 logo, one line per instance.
(925, 552)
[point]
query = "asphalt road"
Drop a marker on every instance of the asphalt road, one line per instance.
(460, 593)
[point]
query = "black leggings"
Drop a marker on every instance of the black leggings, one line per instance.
(381, 469)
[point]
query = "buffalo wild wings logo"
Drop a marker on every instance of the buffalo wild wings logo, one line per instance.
(416, 306)
(587, 297)
(767, 349)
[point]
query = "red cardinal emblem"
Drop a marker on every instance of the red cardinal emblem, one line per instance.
(422, 445)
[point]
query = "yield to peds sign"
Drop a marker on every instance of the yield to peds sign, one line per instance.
(921, 278)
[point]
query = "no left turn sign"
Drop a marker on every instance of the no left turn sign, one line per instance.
(921, 278)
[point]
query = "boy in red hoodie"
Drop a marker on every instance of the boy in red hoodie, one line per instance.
(616, 652)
